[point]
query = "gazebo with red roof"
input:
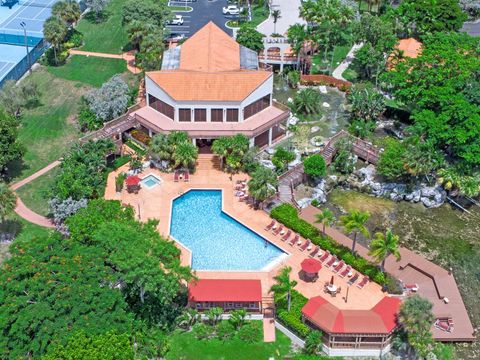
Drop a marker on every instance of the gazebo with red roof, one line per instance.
(353, 329)
(133, 183)
(228, 294)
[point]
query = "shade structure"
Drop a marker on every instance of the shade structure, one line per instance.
(331, 280)
(132, 180)
(311, 266)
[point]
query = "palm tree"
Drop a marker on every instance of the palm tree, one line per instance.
(188, 318)
(354, 222)
(238, 317)
(307, 101)
(384, 245)
(8, 201)
(263, 184)
(276, 14)
(67, 10)
(160, 148)
(221, 147)
(54, 31)
(185, 155)
(284, 286)
(214, 315)
(325, 217)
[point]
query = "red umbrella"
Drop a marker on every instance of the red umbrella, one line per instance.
(132, 180)
(311, 266)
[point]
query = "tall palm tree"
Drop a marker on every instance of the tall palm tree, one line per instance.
(263, 184)
(185, 155)
(8, 201)
(54, 31)
(354, 222)
(284, 286)
(325, 217)
(67, 10)
(214, 315)
(238, 317)
(276, 14)
(220, 147)
(383, 246)
(160, 148)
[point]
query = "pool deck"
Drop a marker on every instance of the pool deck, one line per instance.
(156, 203)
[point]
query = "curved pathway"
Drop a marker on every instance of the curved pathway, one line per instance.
(22, 210)
(337, 73)
(129, 57)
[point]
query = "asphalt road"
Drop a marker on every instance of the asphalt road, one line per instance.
(203, 12)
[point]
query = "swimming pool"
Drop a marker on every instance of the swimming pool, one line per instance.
(218, 241)
(150, 181)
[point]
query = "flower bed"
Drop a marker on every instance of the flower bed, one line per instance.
(288, 216)
(141, 136)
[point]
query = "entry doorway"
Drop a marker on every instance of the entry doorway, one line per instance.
(204, 146)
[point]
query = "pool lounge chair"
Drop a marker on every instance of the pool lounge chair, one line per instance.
(294, 240)
(186, 176)
(353, 279)
(278, 230)
(339, 267)
(306, 245)
(287, 235)
(324, 257)
(345, 272)
(270, 226)
(175, 176)
(314, 252)
(364, 282)
(331, 261)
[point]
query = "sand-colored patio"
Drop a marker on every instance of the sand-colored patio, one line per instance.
(156, 203)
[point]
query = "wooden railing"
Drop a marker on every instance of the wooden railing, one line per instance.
(325, 80)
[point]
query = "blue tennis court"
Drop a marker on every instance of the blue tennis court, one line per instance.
(10, 55)
(32, 12)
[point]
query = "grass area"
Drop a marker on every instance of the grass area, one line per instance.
(184, 345)
(108, 35)
(48, 129)
(233, 23)
(259, 14)
(35, 194)
(180, 8)
(443, 235)
(339, 54)
(89, 70)
(23, 229)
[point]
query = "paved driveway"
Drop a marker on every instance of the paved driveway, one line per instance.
(203, 12)
(289, 15)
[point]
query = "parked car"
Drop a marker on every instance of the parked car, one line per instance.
(175, 37)
(177, 20)
(231, 10)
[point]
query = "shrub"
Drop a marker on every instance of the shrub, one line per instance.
(225, 330)
(88, 120)
(315, 166)
(202, 331)
(288, 216)
(119, 180)
(250, 332)
(282, 157)
(313, 342)
(293, 318)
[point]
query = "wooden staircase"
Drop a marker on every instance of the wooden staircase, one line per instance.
(208, 162)
(287, 182)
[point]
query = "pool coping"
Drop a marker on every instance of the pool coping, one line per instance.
(267, 268)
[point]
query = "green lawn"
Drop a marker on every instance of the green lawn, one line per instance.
(35, 194)
(48, 129)
(89, 70)
(259, 14)
(186, 347)
(108, 36)
(339, 54)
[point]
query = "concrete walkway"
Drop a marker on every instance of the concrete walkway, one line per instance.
(129, 57)
(269, 329)
(337, 73)
(22, 210)
(289, 15)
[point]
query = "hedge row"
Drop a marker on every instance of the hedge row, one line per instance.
(288, 216)
(318, 79)
(293, 319)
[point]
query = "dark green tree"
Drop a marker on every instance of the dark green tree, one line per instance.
(249, 37)
(314, 166)
(54, 31)
(10, 148)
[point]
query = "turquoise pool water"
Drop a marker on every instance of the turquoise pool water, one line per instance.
(150, 181)
(217, 241)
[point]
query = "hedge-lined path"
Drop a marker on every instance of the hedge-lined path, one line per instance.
(129, 57)
(22, 210)
(339, 70)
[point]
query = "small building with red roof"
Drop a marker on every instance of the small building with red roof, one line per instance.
(348, 332)
(229, 294)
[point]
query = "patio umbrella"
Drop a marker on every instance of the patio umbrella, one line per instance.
(311, 266)
(133, 180)
(331, 280)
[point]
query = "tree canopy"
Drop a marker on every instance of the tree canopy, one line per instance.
(10, 148)
(249, 37)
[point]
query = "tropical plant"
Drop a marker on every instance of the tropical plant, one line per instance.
(344, 161)
(313, 342)
(160, 148)
(307, 102)
(97, 7)
(325, 217)
(8, 201)
(67, 10)
(54, 31)
(416, 318)
(276, 14)
(188, 318)
(454, 179)
(231, 150)
(238, 318)
(263, 184)
(284, 286)
(10, 148)
(315, 166)
(249, 37)
(281, 157)
(391, 162)
(185, 155)
(366, 102)
(384, 245)
(354, 222)
(214, 315)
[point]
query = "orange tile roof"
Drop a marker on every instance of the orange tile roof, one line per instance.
(410, 47)
(200, 86)
(210, 49)
(209, 70)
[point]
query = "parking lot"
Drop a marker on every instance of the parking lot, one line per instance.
(203, 12)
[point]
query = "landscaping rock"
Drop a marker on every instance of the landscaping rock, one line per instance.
(267, 164)
(314, 129)
(293, 120)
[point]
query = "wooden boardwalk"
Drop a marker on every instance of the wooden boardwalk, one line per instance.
(362, 148)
